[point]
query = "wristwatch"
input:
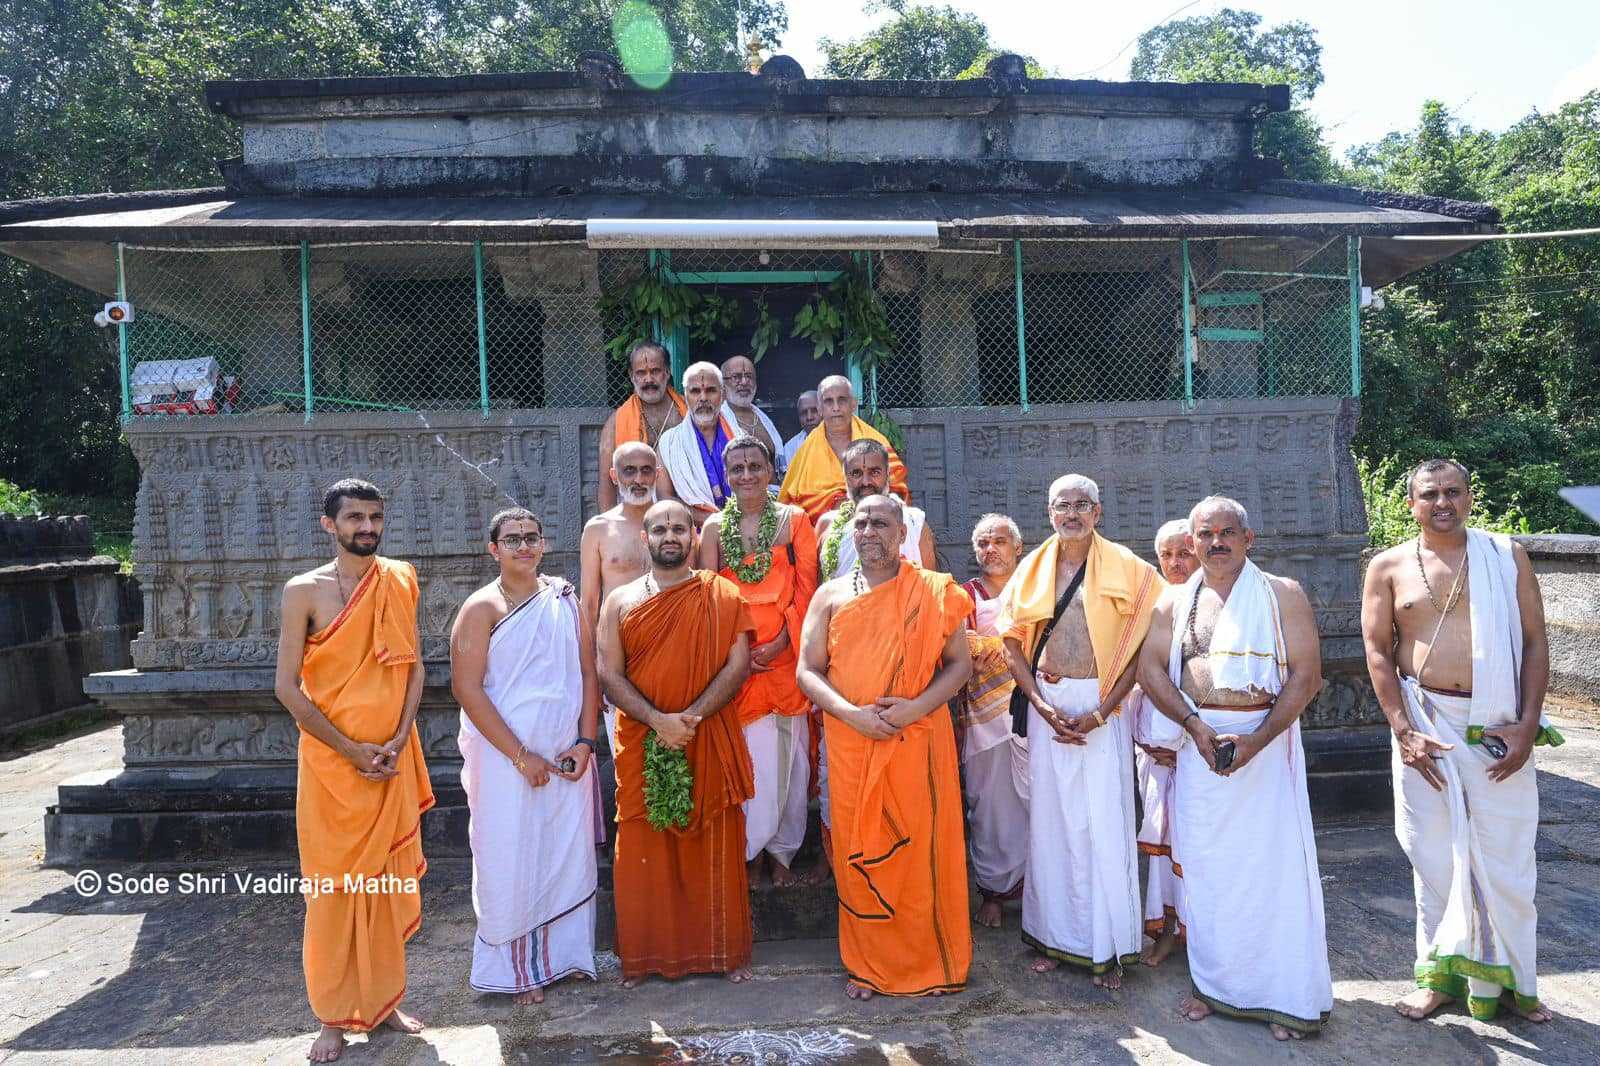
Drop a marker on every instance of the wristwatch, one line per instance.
(586, 742)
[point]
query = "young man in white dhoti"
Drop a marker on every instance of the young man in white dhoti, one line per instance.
(1152, 766)
(994, 760)
(1455, 639)
(691, 451)
(768, 549)
(1233, 658)
(522, 665)
(1074, 616)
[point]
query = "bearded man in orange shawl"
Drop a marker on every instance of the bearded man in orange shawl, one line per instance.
(883, 651)
(654, 408)
(349, 673)
(815, 480)
(674, 649)
(769, 550)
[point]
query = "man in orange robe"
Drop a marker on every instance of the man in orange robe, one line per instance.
(777, 577)
(883, 651)
(654, 408)
(349, 673)
(674, 649)
(815, 479)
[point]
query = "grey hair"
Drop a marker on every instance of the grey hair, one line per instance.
(1075, 481)
(703, 368)
(1226, 503)
(831, 378)
(996, 518)
(1178, 527)
(899, 507)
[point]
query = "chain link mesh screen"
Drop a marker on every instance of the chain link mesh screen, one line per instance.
(397, 325)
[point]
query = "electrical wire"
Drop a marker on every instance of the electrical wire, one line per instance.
(1134, 41)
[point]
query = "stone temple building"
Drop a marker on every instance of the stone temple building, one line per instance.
(422, 281)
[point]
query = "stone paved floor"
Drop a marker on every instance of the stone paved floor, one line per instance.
(216, 978)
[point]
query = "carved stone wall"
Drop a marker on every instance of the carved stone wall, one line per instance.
(228, 508)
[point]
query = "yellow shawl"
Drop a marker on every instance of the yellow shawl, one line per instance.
(1119, 591)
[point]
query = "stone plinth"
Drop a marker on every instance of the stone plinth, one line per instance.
(1568, 569)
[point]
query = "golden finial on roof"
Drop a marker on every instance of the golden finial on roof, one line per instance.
(754, 46)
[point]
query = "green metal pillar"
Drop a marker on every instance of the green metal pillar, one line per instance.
(1022, 330)
(305, 321)
(483, 336)
(122, 340)
(1188, 332)
(1353, 266)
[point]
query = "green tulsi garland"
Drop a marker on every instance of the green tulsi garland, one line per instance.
(733, 541)
(668, 786)
(836, 532)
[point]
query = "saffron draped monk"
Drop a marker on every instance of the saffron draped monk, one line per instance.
(767, 548)
(883, 651)
(1456, 646)
(654, 408)
(674, 650)
(815, 479)
(349, 673)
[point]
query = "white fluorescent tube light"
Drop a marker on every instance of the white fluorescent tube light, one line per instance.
(760, 233)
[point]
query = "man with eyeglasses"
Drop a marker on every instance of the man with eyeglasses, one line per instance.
(1075, 613)
(522, 665)
(742, 413)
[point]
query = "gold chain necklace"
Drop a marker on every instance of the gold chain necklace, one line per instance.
(504, 595)
(1456, 586)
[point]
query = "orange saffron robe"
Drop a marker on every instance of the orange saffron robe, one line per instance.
(815, 480)
(901, 860)
(777, 603)
(630, 418)
(355, 672)
(682, 896)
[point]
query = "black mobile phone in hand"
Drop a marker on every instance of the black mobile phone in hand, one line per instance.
(1224, 754)
(567, 765)
(1495, 746)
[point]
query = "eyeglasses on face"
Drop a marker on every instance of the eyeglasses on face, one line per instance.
(515, 541)
(1071, 506)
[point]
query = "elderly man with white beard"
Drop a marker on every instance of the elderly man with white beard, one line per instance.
(691, 451)
(743, 416)
(1231, 661)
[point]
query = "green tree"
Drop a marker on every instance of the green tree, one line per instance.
(1231, 46)
(920, 43)
(107, 96)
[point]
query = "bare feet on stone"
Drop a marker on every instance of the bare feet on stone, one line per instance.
(1194, 1008)
(1112, 980)
(855, 991)
(631, 982)
(528, 998)
(1160, 948)
(328, 1045)
(782, 876)
(1045, 964)
(1421, 1003)
(818, 874)
(989, 914)
(1281, 1033)
(402, 1022)
(741, 974)
(754, 869)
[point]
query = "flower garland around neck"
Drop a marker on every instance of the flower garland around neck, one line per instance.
(836, 532)
(733, 553)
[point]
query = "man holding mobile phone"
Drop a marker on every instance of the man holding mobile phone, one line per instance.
(1455, 641)
(1231, 661)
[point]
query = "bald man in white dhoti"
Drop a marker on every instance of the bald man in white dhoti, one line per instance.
(1233, 659)
(522, 665)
